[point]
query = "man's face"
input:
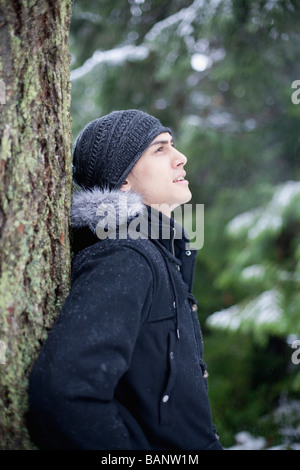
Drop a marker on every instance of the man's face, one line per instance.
(159, 175)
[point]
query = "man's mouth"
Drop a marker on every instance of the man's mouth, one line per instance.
(180, 179)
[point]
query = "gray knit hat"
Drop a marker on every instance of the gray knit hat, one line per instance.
(108, 148)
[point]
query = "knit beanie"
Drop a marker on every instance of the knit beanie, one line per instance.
(108, 147)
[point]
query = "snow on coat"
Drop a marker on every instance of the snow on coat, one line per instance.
(122, 367)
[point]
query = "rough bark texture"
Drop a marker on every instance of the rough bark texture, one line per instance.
(35, 193)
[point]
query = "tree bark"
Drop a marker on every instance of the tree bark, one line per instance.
(35, 193)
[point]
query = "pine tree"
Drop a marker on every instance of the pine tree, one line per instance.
(35, 193)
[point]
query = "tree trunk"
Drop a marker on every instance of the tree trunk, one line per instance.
(35, 193)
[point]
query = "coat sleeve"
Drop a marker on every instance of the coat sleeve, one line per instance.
(72, 386)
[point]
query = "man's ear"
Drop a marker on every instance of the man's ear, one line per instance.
(126, 186)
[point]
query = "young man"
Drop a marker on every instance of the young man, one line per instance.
(122, 368)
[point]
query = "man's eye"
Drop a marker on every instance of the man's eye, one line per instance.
(160, 149)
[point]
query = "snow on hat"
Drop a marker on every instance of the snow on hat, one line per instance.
(108, 148)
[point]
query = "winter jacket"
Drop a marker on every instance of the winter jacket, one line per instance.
(122, 367)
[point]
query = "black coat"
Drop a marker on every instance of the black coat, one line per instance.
(123, 368)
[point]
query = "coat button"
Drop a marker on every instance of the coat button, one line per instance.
(165, 398)
(205, 374)
(188, 253)
(172, 355)
(178, 267)
(194, 307)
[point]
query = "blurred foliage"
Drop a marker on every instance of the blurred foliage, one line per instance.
(220, 73)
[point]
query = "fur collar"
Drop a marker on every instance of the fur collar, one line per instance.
(89, 207)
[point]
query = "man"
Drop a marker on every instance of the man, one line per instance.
(122, 368)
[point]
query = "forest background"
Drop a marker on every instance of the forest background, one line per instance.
(225, 76)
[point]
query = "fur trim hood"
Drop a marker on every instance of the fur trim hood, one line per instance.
(90, 207)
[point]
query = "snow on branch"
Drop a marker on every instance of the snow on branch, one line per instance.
(184, 17)
(265, 311)
(118, 55)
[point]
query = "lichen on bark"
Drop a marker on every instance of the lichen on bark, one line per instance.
(35, 193)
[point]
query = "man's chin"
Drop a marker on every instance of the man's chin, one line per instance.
(187, 198)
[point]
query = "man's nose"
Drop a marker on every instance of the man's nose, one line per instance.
(179, 158)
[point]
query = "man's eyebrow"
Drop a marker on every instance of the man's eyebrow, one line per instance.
(160, 142)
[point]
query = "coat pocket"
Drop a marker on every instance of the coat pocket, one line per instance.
(166, 401)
